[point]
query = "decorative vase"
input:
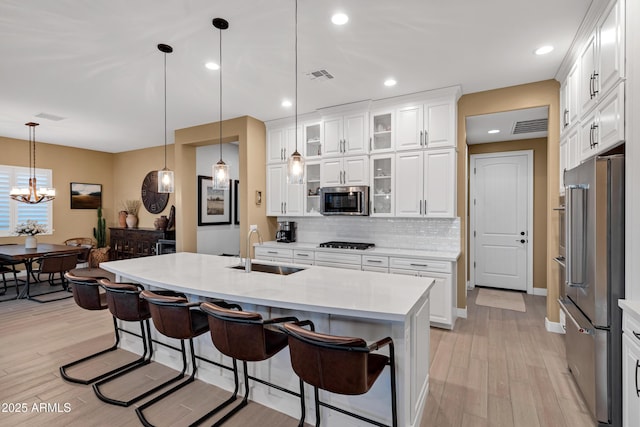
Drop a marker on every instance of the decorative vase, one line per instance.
(30, 242)
(122, 218)
(161, 223)
(132, 221)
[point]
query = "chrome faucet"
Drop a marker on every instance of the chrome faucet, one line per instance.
(247, 263)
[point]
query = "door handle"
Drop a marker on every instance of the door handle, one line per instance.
(421, 137)
(426, 137)
(521, 240)
(637, 389)
(595, 129)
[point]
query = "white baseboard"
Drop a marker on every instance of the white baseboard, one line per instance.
(469, 285)
(555, 327)
(541, 292)
(462, 312)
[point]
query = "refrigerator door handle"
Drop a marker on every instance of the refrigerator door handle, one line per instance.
(576, 221)
(581, 329)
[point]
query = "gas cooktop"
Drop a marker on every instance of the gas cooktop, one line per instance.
(347, 245)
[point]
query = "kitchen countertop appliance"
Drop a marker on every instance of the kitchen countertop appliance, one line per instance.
(594, 208)
(286, 231)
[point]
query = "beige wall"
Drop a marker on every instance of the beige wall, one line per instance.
(545, 93)
(539, 147)
(251, 136)
(129, 169)
(68, 165)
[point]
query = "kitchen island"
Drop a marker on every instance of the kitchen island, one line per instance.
(342, 302)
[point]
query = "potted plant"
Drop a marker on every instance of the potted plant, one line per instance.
(101, 252)
(132, 207)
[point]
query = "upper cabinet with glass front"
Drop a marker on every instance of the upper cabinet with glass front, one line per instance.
(381, 132)
(312, 134)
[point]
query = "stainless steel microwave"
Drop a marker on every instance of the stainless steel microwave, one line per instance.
(344, 200)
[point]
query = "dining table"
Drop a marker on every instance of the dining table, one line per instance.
(20, 254)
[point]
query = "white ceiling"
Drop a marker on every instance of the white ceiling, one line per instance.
(96, 64)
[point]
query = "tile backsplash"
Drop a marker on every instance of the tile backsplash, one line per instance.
(402, 233)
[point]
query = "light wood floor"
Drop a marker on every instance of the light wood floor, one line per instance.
(498, 368)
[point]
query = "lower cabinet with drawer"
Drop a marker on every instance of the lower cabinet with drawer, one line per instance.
(267, 253)
(630, 372)
(443, 294)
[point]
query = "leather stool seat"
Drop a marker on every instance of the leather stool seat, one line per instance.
(339, 364)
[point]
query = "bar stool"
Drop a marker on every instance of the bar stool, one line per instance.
(342, 365)
(245, 336)
(174, 318)
(124, 302)
(86, 293)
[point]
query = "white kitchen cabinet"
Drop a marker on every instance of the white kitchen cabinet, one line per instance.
(443, 293)
(345, 134)
(303, 256)
(611, 44)
(281, 143)
(425, 183)
(312, 186)
(312, 136)
(375, 263)
(282, 198)
(429, 125)
(338, 260)
(630, 370)
(347, 170)
(569, 90)
(381, 132)
(569, 154)
(602, 58)
(604, 126)
(265, 253)
(382, 179)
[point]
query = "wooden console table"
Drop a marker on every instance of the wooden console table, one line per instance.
(136, 242)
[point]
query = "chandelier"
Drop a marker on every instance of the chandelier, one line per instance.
(221, 169)
(32, 194)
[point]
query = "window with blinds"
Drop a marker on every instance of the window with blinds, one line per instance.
(13, 213)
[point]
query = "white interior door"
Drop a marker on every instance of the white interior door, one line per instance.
(501, 201)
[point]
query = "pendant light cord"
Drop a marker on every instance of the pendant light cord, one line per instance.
(165, 110)
(296, 77)
(32, 144)
(220, 124)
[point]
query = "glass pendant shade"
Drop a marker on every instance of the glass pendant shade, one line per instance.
(295, 169)
(221, 175)
(32, 194)
(165, 181)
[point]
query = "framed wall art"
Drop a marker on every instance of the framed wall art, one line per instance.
(214, 206)
(86, 196)
(236, 203)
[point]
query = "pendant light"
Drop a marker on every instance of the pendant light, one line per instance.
(220, 169)
(295, 165)
(165, 176)
(32, 194)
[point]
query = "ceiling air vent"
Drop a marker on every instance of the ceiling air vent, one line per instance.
(530, 126)
(49, 117)
(319, 75)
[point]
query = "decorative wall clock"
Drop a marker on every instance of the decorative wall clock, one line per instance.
(153, 201)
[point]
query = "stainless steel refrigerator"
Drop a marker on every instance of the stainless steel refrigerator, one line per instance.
(594, 202)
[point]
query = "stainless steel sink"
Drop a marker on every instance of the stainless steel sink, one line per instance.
(282, 270)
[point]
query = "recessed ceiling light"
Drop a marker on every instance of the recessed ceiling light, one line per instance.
(212, 66)
(494, 131)
(286, 103)
(543, 50)
(390, 82)
(339, 19)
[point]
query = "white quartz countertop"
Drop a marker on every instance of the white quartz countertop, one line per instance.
(380, 251)
(631, 307)
(317, 289)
